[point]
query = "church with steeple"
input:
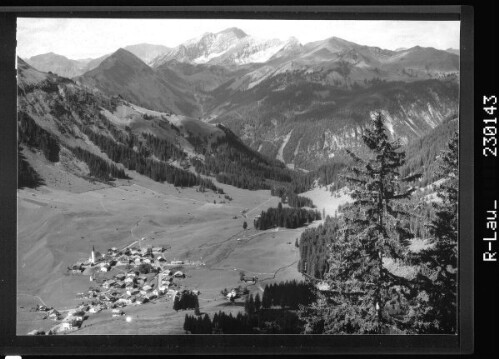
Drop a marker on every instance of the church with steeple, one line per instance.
(92, 256)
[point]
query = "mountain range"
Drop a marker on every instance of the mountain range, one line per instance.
(297, 103)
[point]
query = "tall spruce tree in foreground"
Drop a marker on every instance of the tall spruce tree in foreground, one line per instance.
(371, 232)
(437, 277)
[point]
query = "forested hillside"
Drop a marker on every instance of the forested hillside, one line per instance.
(353, 254)
(234, 163)
(310, 122)
(75, 121)
(91, 125)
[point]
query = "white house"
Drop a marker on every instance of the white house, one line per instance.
(232, 295)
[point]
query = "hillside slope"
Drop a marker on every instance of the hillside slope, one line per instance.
(324, 119)
(125, 74)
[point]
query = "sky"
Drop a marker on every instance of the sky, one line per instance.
(91, 38)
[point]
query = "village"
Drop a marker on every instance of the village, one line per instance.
(131, 276)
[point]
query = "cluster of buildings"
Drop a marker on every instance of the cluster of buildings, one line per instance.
(131, 288)
(142, 276)
(72, 321)
(98, 262)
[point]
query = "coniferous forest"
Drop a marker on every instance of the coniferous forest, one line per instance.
(288, 196)
(313, 246)
(186, 300)
(140, 161)
(34, 136)
(26, 175)
(285, 217)
(273, 313)
(234, 163)
(365, 296)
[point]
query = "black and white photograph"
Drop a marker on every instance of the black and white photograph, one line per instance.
(237, 176)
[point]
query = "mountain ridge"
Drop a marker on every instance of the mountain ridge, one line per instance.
(322, 85)
(123, 73)
(232, 47)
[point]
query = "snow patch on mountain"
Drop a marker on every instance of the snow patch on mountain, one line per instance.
(207, 57)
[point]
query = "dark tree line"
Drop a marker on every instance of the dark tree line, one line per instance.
(287, 196)
(31, 134)
(285, 217)
(259, 317)
(139, 161)
(163, 149)
(186, 300)
(34, 136)
(287, 295)
(313, 246)
(198, 324)
(221, 324)
(438, 264)
(99, 167)
(26, 175)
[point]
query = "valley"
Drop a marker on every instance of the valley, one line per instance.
(57, 227)
(231, 154)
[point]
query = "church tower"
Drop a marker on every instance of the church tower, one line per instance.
(160, 277)
(92, 256)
